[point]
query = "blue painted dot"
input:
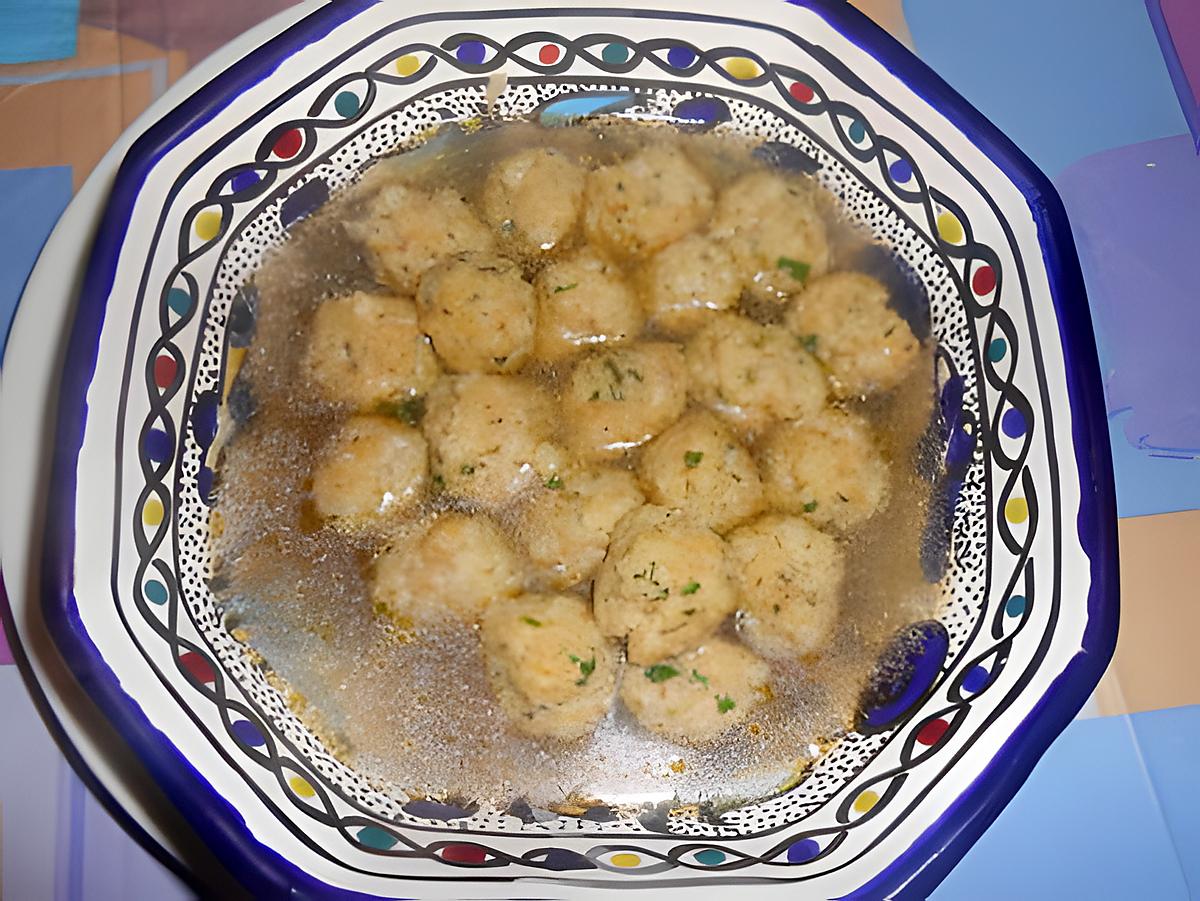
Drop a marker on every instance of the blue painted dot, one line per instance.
(248, 733)
(803, 851)
(247, 178)
(157, 446)
(156, 592)
(997, 349)
(710, 857)
(347, 104)
(470, 52)
(180, 301)
(374, 837)
(1013, 423)
(857, 131)
(976, 679)
(901, 171)
(681, 57)
(1015, 605)
(615, 53)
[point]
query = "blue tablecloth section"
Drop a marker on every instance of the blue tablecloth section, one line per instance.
(31, 200)
(1111, 813)
(34, 30)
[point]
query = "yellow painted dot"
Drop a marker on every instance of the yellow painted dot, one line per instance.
(407, 65)
(208, 225)
(625, 860)
(866, 801)
(1016, 510)
(301, 787)
(152, 512)
(742, 68)
(950, 228)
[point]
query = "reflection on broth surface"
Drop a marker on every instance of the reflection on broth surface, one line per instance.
(576, 463)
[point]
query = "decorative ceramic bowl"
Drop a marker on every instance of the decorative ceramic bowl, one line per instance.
(1028, 618)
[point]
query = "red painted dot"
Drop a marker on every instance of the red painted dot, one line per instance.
(984, 280)
(198, 667)
(931, 733)
(288, 144)
(164, 371)
(464, 853)
(548, 55)
(801, 92)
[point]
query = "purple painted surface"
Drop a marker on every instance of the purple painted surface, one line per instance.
(1183, 22)
(1137, 226)
(5, 652)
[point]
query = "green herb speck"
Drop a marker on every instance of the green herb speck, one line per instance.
(409, 410)
(559, 289)
(586, 668)
(697, 677)
(467, 469)
(797, 269)
(810, 506)
(530, 621)
(724, 703)
(809, 343)
(660, 672)
(554, 482)
(691, 587)
(691, 459)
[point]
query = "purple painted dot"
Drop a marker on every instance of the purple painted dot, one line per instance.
(901, 171)
(681, 57)
(470, 52)
(157, 445)
(803, 851)
(247, 178)
(248, 733)
(976, 679)
(1013, 423)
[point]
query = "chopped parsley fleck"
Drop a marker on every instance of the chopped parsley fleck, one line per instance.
(691, 459)
(530, 621)
(797, 269)
(689, 611)
(467, 469)
(559, 289)
(691, 587)
(697, 677)
(660, 672)
(554, 482)
(410, 410)
(810, 506)
(586, 668)
(724, 703)
(809, 343)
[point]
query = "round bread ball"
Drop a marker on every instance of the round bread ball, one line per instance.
(449, 571)
(566, 527)
(645, 202)
(772, 225)
(699, 466)
(789, 576)
(551, 669)
(845, 318)
(665, 585)
(490, 436)
(583, 301)
(366, 349)
(695, 697)
(479, 312)
(407, 231)
(376, 467)
(618, 399)
(533, 197)
(686, 282)
(753, 374)
(827, 467)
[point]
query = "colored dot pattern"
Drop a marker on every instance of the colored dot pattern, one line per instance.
(857, 132)
(984, 280)
(865, 801)
(681, 57)
(1015, 606)
(1016, 510)
(197, 667)
(471, 53)
(802, 92)
(950, 228)
(165, 369)
(742, 68)
(347, 104)
(152, 512)
(625, 859)
(288, 144)
(155, 592)
(374, 837)
(1013, 424)
(179, 301)
(208, 225)
(549, 54)
(407, 65)
(710, 857)
(976, 679)
(803, 851)
(931, 733)
(901, 171)
(614, 54)
(248, 733)
(464, 853)
(157, 445)
(247, 178)
(301, 787)
(997, 349)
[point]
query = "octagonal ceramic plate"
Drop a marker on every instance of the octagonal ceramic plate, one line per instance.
(1028, 615)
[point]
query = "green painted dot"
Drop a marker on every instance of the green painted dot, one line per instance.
(374, 837)
(615, 53)
(180, 301)
(710, 857)
(346, 104)
(156, 592)
(858, 131)
(997, 349)
(1015, 606)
